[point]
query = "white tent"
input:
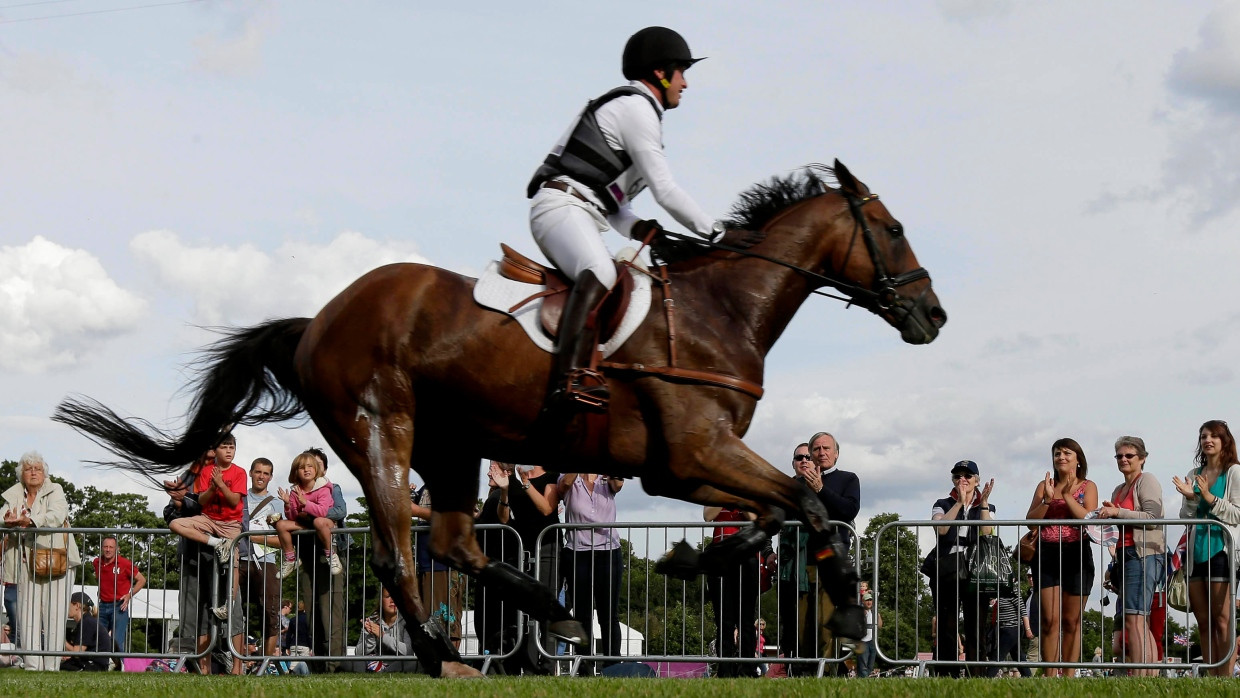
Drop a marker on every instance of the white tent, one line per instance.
(153, 604)
(632, 642)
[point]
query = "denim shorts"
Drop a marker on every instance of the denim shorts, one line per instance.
(1141, 578)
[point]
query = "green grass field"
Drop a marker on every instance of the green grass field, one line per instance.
(19, 683)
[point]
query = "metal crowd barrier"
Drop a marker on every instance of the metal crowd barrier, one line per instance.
(155, 608)
(682, 620)
(668, 623)
(337, 606)
(899, 580)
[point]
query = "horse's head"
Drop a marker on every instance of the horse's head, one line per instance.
(876, 265)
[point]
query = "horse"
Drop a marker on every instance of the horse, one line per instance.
(403, 370)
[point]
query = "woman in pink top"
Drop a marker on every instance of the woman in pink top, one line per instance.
(1063, 566)
(306, 507)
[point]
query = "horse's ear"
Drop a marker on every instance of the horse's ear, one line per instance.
(846, 179)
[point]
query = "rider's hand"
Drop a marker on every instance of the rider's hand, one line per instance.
(641, 229)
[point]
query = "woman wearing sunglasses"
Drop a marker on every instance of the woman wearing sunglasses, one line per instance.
(968, 501)
(1141, 553)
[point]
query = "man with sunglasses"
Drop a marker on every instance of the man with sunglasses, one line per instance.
(794, 574)
(801, 597)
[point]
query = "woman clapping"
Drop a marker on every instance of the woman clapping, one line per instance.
(1212, 492)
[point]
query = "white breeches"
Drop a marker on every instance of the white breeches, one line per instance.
(569, 231)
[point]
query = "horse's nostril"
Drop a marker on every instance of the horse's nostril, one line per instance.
(938, 316)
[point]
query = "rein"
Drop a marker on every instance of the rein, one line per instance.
(882, 296)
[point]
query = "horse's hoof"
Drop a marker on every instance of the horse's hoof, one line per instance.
(570, 631)
(848, 622)
(681, 562)
(457, 670)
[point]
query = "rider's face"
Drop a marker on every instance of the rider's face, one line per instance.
(676, 85)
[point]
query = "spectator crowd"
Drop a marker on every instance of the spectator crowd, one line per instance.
(239, 543)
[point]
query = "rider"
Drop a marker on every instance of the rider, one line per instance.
(611, 152)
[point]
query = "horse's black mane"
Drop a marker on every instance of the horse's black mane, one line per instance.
(755, 208)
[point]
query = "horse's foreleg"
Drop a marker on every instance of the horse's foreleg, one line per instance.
(736, 469)
(686, 562)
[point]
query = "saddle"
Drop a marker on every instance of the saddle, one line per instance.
(517, 267)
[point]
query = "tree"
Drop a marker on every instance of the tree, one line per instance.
(903, 596)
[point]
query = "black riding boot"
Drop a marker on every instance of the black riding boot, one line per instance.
(575, 346)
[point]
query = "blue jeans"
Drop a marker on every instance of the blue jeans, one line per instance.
(10, 609)
(866, 654)
(114, 619)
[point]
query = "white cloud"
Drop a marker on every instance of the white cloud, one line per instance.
(56, 303)
(1201, 169)
(1211, 69)
(232, 285)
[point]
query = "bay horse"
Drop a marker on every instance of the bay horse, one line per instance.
(402, 369)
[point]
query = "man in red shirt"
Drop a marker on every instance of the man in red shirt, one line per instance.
(119, 582)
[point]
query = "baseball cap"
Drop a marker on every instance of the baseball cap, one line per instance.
(968, 465)
(82, 598)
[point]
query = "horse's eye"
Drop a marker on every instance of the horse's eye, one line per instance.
(897, 231)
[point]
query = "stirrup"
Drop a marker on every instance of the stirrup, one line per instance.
(587, 388)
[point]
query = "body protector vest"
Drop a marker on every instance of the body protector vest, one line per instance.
(585, 157)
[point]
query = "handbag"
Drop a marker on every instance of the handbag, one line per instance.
(990, 568)
(1029, 545)
(1177, 591)
(50, 563)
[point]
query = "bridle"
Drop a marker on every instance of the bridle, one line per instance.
(882, 296)
(879, 298)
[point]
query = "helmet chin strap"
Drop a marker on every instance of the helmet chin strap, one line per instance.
(660, 85)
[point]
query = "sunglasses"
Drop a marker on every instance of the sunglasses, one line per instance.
(801, 457)
(1126, 456)
(961, 476)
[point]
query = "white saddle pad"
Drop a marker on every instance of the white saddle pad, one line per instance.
(498, 293)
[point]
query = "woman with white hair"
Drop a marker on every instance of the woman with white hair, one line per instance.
(42, 594)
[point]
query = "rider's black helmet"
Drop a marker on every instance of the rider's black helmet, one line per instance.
(655, 48)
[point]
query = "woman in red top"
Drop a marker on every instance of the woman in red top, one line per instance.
(1063, 565)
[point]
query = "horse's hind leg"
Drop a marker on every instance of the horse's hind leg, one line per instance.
(452, 540)
(378, 454)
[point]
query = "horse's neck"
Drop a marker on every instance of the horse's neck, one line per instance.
(757, 297)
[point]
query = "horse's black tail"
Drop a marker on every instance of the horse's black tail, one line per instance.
(245, 378)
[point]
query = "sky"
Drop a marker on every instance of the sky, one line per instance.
(1069, 173)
